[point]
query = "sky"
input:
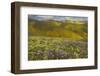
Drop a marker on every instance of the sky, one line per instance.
(57, 18)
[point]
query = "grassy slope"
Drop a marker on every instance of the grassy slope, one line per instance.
(74, 31)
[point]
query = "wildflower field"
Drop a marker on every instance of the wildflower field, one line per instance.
(45, 48)
(57, 37)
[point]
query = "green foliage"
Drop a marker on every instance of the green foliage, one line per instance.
(47, 48)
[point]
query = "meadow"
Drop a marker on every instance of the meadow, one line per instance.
(46, 48)
(54, 38)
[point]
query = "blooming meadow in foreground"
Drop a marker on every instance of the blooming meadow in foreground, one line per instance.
(47, 48)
